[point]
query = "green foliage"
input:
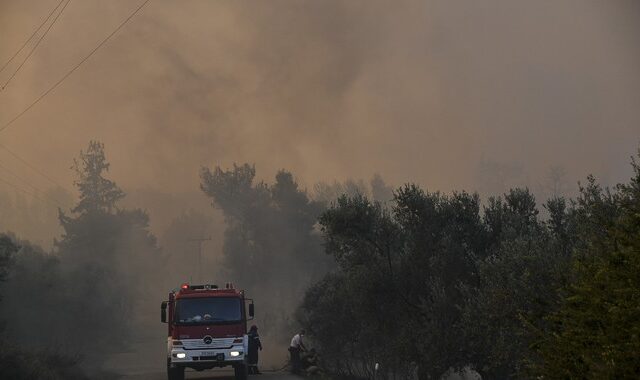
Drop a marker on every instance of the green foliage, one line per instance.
(596, 332)
(399, 287)
(336, 316)
(436, 282)
(518, 284)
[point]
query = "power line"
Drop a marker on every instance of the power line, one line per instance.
(32, 35)
(35, 188)
(6, 125)
(35, 46)
(31, 166)
(28, 192)
(18, 177)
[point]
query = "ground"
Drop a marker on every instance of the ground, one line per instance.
(146, 361)
(210, 375)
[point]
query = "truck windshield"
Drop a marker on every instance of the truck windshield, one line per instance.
(202, 311)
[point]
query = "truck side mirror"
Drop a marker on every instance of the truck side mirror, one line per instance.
(163, 312)
(251, 310)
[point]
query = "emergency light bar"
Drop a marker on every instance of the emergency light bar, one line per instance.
(198, 287)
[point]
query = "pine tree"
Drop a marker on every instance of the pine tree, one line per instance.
(97, 193)
(104, 250)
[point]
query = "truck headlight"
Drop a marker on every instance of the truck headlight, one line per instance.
(181, 355)
(234, 353)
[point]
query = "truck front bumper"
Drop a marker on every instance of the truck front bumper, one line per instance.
(233, 355)
(207, 352)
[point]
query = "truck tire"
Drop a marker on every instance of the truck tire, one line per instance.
(175, 373)
(241, 372)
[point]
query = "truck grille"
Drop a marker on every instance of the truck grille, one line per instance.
(199, 344)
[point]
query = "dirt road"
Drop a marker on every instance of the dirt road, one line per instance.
(146, 361)
(211, 375)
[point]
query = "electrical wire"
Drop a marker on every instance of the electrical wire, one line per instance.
(2, 180)
(31, 37)
(35, 188)
(35, 46)
(37, 100)
(14, 175)
(15, 155)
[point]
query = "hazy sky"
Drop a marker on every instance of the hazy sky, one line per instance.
(415, 90)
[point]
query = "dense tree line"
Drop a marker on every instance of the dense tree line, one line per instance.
(82, 300)
(271, 246)
(24, 362)
(594, 333)
(441, 281)
(272, 243)
(416, 281)
(108, 253)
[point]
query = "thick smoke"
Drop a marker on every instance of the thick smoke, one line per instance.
(450, 95)
(415, 90)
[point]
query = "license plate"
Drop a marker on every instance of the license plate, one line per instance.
(212, 356)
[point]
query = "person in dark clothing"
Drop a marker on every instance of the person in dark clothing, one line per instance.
(254, 346)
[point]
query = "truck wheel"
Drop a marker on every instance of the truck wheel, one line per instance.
(176, 373)
(241, 372)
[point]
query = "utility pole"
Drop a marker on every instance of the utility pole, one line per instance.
(200, 241)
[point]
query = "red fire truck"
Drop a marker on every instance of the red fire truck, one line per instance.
(207, 329)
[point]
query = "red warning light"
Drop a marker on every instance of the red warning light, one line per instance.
(184, 286)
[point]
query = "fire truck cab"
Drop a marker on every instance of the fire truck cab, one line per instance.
(207, 328)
